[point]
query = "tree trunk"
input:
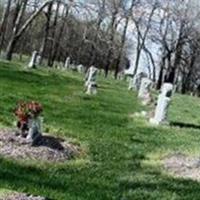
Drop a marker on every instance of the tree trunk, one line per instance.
(123, 40)
(53, 36)
(14, 38)
(170, 77)
(111, 40)
(142, 39)
(46, 35)
(172, 70)
(10, 48)
(3, 26)
(57, 43)
(187, 80)
(16, 33)
(160, 78)
(153, 63)
(100, 20)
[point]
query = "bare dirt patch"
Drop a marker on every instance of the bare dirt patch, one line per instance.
(21, 196)
(183, 166)
(49, 148)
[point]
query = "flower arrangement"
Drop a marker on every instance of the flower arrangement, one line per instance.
(26, 111)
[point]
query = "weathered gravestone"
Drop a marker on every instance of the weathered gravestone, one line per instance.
(67, 63)
(90, 80)
(144, 91)
(61, 65)
(138, 79)
(131, 81)
(164, 99)
(135, 81)
(58, 65)
(73, 67)
(101, 71)
(33, 61)
(34, 130)
(121, 75)
(80, 68)
(179, 84)
(196, 88)
(38, 59)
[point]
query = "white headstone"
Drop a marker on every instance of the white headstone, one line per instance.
(144, 91)
(90, 82)
(33, 61)
(138, 79)
(131, 81)
(80, 68)
(121, 75)
(67, 63)
(161, 112)
(135, 81)
(38, 59)
(61, 65)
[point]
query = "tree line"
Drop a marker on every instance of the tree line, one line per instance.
(102, 32)
(58, 29)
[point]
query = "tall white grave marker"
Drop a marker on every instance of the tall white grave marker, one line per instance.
(164, 100)
(144, 91)
(33, 61)
(67, 63)
(90, 80)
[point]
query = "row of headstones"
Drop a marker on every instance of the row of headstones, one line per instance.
(36, 60)
(90, 77)
(144, 87)
(79, 68)
(142, 84)
(164, 98)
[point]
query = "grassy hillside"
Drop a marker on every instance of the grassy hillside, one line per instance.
(122, 159)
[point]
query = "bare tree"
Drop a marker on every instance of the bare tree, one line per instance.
(127, 14)
(142, 32)
(46, 32)
(4, 21)
(17, 30)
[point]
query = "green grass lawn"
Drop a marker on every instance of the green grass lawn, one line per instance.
(123, 155)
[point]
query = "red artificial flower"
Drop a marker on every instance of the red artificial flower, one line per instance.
(26, 110)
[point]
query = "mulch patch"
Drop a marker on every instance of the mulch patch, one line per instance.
(49, 148)
(21, 196)
(183, 166)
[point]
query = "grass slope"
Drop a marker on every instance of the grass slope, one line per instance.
(123, 154)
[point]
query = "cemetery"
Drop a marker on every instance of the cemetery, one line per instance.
(99, 100)
(86, 136)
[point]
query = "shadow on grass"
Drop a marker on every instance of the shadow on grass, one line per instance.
(184, 125)
(153, 187)
(62, 182)
(32, 76)
(54, 183)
